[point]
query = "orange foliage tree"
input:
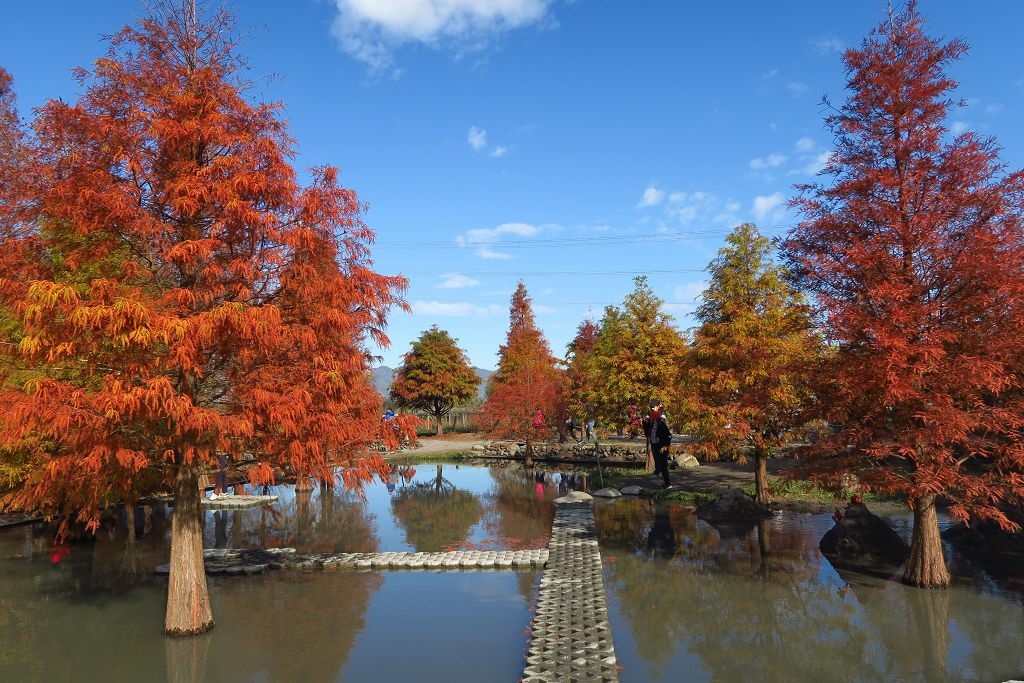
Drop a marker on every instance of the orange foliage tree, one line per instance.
(915, 254)
(752, 356)
(527, 378)
(201, 302)
(435, 376)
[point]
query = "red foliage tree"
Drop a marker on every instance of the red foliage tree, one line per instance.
(527, 378)
(202, 303)
(914, 254)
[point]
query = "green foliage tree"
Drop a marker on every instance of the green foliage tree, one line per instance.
(637, 356)
(577, 378)
(435, 376)
(752, 355)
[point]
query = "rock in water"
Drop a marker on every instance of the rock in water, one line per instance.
(861, 535)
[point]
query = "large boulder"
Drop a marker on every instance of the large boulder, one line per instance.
(685, 460)
(574, 497)
(861, 536)
(732, 506)
(607, 493)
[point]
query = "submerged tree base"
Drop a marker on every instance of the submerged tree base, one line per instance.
(182, 633)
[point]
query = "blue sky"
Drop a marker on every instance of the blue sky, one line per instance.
(570, 143)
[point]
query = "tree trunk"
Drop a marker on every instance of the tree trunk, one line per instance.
(188, 600)
(650, 456)
(129, 521)
(529, 454)
(926, 567)
(762, 494)
(440, 429)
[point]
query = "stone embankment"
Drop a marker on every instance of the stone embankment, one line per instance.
(618, 451)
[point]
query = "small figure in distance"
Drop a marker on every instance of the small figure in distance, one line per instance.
(570, 427)
(591, 423)
(660, 436)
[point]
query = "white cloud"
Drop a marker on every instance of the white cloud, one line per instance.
(499, 151)
(797, 87)
(491, 255)
(477, 138)
(773, 160)
(816, 163)
(993, 108)
(371, 30)
(651, 197)
(457, 281)
(804, 144)
(690, 207)
(489, 235)
(827, 46)
(768, 207)
(485, 238)
(959, 127)
(770, 74)
(454, 309)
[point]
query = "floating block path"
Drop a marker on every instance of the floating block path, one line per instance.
(571, 639)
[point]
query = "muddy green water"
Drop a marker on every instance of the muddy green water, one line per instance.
(687, 602)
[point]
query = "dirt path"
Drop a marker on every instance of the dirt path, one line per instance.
(447, 443)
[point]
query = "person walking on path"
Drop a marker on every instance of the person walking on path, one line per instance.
(660, 436)
(590, 424)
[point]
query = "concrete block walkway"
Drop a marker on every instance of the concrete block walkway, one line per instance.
(570, 637)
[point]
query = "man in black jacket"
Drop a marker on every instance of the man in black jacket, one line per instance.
(660, 436)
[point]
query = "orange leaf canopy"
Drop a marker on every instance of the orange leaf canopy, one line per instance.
(194, 299)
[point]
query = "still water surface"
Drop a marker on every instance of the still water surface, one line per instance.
(687, 602)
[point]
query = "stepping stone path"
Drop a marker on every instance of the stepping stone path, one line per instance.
(570, 639)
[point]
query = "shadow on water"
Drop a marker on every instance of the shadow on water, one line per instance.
(689, 603)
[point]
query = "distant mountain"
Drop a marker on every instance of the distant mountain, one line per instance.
(383, 375)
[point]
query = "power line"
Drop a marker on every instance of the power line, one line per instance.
(555, 273)
(588, 240)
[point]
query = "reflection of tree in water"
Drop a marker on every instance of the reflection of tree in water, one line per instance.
(435, 514)
(288, 626)
(523, 508)
(761, 607)
(642, 526)
(331, 520)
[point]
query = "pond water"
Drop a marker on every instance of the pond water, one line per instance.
(687, 602)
